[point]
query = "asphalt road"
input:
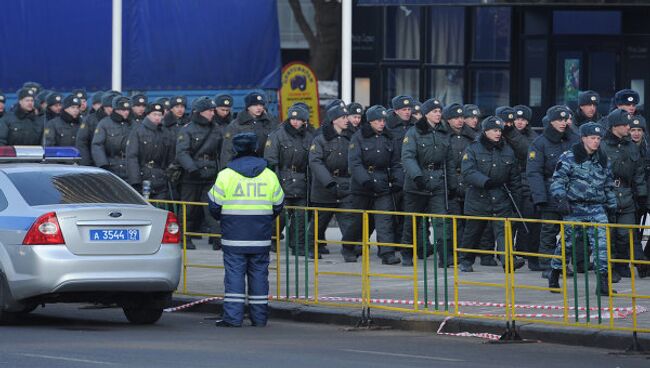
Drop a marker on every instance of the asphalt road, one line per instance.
(66, 336)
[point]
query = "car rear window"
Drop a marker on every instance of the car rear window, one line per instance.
(51, 187)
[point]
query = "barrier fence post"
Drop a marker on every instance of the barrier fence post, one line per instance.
(306, 224)
(444, 260)
(414, 244)
(316, 245)
(608, 234)
(278, 271)
(585, 262)
(184, 248)
(287, 245)
(296, 238)
(575, 273)
(565, 299)
(455, 255)
(598, 276)
(425, 251)
(632, 279)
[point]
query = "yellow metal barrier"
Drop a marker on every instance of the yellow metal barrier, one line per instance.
(573, 313)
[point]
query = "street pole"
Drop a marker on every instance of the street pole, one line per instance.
(116, 80)
(346, 51)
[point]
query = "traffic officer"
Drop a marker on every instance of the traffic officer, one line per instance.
(490, 170)
(543, 154)
(20, 126)
(630, 187)
(246, 198)
(638, 128)
(587, 108)
(223, 111)
(376, 176)
(148, 153)
(62, 130)
(253, 119)
(197, 150)
(89, 124)
(355, 112)
(626, 99)
(583, 189)
(287, 151)
(138, 109)
(109, 142)
(429, 182)
(2, 104)
(330, 179)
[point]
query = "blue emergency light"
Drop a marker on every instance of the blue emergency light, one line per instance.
(38, 154)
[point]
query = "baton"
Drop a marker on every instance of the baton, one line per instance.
(514, 203)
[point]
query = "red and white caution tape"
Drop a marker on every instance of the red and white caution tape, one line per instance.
(481, 335)
(188, 305)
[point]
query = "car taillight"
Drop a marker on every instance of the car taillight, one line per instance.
(45, 230)
(172, 234)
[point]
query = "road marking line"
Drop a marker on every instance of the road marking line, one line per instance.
(64, 358)
(402, 355)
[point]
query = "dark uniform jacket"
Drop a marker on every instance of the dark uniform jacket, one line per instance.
(398, 128)
(135, 119)
(495, 161)
(328, 162)
(244, 122)
(222, 123)
(287, 152)
(85, 136)
(426, 153)
(527, 137)
(172, 126)
(374, 162)
(458, 143)
(148, 155)
(197, 149)
(543, 155)
(109, 144)
(19, 127)
(62, 131)
(627, 169)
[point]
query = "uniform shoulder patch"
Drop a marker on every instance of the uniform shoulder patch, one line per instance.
(180, 137)
(96, 130)
(351, 145)
(531, 155)
(406, 139)
(268, 143)
(82, 126)
(47, 131)
(313, 147)
(465, 157)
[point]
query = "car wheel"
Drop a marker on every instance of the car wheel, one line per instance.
(143, 316)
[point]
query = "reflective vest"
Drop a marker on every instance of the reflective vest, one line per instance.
(246, 209)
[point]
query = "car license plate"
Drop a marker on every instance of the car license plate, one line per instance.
(115, 235)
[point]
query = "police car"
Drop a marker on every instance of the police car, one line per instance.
(73, 233)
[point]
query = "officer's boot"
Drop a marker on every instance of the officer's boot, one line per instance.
(643, 270)
(554, 280)
(623, 270)
(534, 265)
(602, 288)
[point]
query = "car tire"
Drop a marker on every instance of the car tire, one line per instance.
(143, 316)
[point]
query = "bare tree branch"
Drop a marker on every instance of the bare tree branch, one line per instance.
(302, 23)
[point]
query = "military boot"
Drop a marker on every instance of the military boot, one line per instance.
(602, 288)
(554, 280)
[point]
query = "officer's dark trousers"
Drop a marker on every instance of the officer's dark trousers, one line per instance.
(383, 223)
(621, 239)
(473, 232)
(487, 239)
(324, 218)
(639, 220)
(295, 235)
(191, 192)
(240, 268)
(548, 238)
(398, 221)
(434, 204)
(527, 241)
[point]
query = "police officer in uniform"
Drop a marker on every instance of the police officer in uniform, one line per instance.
(62, 130)
(429, 181)
(20, 126)
(583, 189)
(461, 136)
(253, 119)
(83, 98)
(490, 169)
(223, 111)
(138, 109)
(89, 124)
(287, 151)
(628, 170)
(247, 217)
(376, 176)
(54, 106)
(330, 179)
(626, 99)
(471, 114)
(197, 150)
(109, 142)
(175, 117)
(355, 112)
(95, 104)
(587, 108)
(417, 110)
(148, 155)
(638, 128)
(543, 154)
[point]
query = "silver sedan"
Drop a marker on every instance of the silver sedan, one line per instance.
(81, 234)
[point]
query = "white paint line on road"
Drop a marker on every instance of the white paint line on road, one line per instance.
(402, 355)
(67, 359)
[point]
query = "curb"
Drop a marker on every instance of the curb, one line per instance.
(614, 340)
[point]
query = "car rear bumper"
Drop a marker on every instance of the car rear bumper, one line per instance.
(48, 269)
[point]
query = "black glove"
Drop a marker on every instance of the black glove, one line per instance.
(420, 183)
(491, 184)
(395, 188)
(195, 174)
(538, 207)
(563, 207)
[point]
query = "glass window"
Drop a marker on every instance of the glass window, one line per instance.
(492, 34)
(586, 22)
(401, 81)
(491, 89)
(64, 187)
(291, 37)
(3, 201)
(402, 33)
(447, 35)
(446, 85)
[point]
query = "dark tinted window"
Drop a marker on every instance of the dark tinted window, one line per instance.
(3, 201)
(51, 187)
